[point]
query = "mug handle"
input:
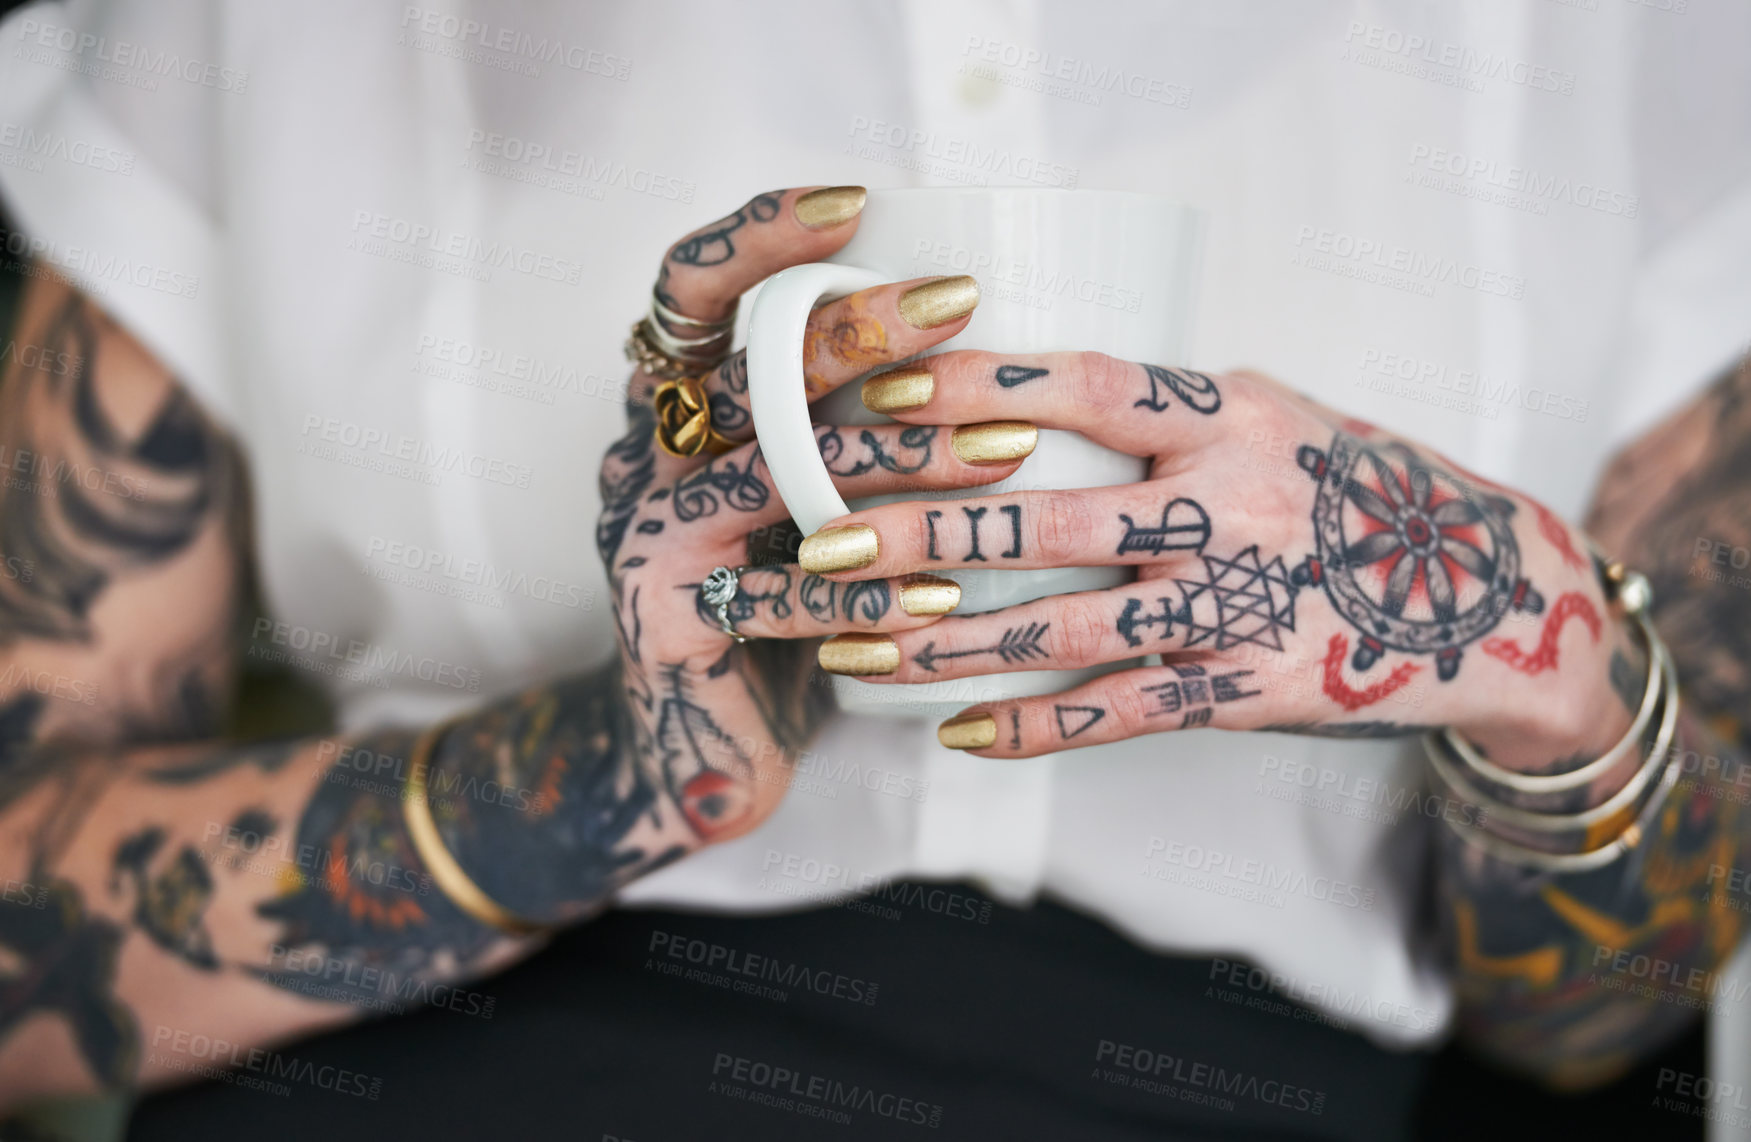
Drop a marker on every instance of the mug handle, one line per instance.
(776, 392)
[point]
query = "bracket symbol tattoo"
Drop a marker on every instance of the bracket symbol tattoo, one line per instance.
(975, 518)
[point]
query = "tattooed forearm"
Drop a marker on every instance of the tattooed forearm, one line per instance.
(169, 905)
(1547, 967)
(550, 801)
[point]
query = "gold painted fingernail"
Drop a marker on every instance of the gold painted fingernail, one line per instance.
(839, 549)
(829, 206)
(860, 654)
(899, 390)
(968, 731)
(939, 302)
(929, 595)
(994, 442)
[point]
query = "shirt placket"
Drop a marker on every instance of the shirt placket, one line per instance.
(983, 819)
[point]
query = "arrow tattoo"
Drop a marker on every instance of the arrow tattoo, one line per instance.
(1018, 644)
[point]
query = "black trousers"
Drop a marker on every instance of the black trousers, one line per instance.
(928, 1012)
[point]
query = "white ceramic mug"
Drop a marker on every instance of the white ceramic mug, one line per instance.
(1057, 270)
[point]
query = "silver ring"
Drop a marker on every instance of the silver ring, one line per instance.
(667, 316)
(719, 590)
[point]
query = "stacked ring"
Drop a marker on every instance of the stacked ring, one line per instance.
(659, 351)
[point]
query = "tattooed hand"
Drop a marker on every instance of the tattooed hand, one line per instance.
(1298, 570)
(715, 721)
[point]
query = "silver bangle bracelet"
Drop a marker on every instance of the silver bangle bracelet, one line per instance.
(1635, 595)
(1661, 757)
(1510, 853)
(1659, 668)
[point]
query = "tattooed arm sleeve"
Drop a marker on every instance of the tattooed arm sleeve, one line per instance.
(251, 893)
(157, 892)
(1574, 978)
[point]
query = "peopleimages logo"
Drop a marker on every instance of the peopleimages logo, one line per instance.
(1199, 1082)
(437, 241)
(1259, 874)
(1000, 269)
(100, 266)
(1537, 186)
(1366, 43)
(27, 140)
(131, 56)
(225, 1054)
(328, 654)
(823, 1092)
(398, 448)
(950, 157)
(1351, 255)
(526, 49)
(547, 164)
(753, 966)
(480, 577)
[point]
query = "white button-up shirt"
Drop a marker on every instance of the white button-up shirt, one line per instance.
(396, 249)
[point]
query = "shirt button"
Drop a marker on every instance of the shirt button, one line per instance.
(978, 89)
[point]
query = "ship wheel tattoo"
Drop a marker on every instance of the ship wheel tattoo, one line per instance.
(1417, 559)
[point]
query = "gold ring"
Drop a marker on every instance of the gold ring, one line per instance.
(684, 419)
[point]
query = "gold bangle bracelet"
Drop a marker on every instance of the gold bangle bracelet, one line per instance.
(452, 881)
